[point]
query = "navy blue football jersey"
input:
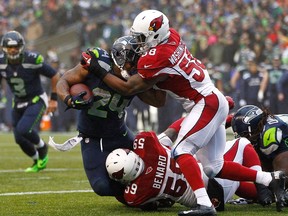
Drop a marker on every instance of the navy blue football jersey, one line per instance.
(274, 137)
(106, 117)
(24, 78)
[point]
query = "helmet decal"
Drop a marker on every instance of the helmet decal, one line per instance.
(156, 24)
(251, 114)
(118, 175)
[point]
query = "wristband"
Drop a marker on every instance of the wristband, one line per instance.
(66, 99)
(53, 96)
(102, 74)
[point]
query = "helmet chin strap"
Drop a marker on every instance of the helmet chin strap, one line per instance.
(125, 74)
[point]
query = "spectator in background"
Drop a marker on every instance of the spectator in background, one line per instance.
(90, 33)
(244, 51)
(230, 47)
(274, 74)
(216, 76)
(76, 12)
(34, 29)
(282, 87)
(253, 84)
(269, 51)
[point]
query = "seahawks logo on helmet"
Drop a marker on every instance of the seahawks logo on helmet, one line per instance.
(251, 114)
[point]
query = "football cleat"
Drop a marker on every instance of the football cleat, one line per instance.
(43, 151)
(41, 164)
(264, 195)
(33, 168)
(199, 210)
(278, 187)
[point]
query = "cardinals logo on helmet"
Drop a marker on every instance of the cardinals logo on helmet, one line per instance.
(118, 175)
(156, 24)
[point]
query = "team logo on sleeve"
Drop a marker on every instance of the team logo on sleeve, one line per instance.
(156, 24)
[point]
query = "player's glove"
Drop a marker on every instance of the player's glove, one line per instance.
(78, 102)
(90, 61)
(229, 120)
(231, 102)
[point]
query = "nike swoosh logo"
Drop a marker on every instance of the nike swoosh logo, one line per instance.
(268, 138)
(147, 66)
(78, 102)
(87, 59)
(124, 134)
(172, 43)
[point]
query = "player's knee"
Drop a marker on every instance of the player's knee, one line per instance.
(21, 130)
(211, 170)
(102, 188)
(18, 138)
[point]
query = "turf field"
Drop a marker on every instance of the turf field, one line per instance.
(63, 190)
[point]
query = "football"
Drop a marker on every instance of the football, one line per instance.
(80, 87)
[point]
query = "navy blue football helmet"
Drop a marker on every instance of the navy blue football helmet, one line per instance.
(13, 39)
(246, 120)
(122, 51)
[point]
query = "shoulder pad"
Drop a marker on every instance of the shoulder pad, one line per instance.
(33, 57)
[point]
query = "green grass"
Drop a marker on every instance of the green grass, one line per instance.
(63, 189)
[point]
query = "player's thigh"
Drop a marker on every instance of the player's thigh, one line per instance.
(31, 117)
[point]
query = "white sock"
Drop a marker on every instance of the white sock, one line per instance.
(263, 178)
(40, 144)
(202, 197)
(35, 156)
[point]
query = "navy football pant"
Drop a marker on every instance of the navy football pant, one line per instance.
(25, 123)
(94, 157)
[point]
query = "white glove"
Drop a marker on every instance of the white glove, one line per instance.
(260, 96)
(67, 145)
(242, 102)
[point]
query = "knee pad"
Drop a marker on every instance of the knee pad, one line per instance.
(212, 169)
(102, 188)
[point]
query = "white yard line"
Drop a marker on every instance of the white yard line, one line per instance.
(45, 192)
(46, 170)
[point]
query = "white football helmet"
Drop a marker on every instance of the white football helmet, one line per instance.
(150, 28)
(124, 165)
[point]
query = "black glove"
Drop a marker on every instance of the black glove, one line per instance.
(90, 61)
(78, 102)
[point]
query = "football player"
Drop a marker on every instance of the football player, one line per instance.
(153, 178)
(101, 121)
(22, 70)
(167, 64)
(268, 133)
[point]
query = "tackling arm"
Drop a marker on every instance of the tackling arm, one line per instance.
(134, 85)
(156, 98)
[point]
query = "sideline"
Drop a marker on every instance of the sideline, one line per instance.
(45, 192)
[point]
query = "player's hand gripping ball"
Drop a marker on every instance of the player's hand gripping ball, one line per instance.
(81, 97)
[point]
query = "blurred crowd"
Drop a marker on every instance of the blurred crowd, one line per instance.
(244, 43)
